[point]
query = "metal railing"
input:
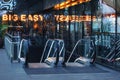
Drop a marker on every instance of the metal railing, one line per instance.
(12, 47)
(87, 44)
(55, 49)
(46, 45)
(61, 48)
(111, 54)
(20, 51)
(56, 55)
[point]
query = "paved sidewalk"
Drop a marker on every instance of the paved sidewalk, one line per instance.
(10, 71)
(15, 71)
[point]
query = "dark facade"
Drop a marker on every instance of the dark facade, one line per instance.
(81, 21)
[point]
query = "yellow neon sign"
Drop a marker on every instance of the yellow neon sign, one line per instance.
(23, 17)
(74, 18)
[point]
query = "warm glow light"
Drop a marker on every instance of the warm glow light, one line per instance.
(74, 3)
(35, 18)
(87, 17)
(81, 1)
(35, 26)
(69, 3)
(62, 4)
(15, 17)
(113, 15)
(56, 6)
(4, 17)
(62, 7)
(74, 18)
(23, 17)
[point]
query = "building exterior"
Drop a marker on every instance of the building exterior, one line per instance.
(72, 20)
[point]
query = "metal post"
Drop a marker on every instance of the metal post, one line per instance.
(57, 53)
(91, 19)
(116, 20)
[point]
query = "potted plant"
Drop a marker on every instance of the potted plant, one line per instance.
(2, 33)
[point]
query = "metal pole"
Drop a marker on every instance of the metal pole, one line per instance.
(90, 34)
(116, 21)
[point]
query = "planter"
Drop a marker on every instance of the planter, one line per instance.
(1, 43)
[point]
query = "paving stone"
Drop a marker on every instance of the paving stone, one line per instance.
(15, 71)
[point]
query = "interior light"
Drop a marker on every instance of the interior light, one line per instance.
(62, 4)
(69, 3)
(74, 3)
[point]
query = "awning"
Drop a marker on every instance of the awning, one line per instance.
(107, 9)
(112, 3)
